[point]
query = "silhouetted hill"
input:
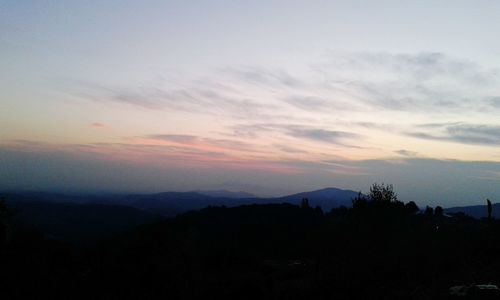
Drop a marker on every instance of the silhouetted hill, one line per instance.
(50, 197)
(79, 223)
(327, 198)
(172, 203)
(476, 211)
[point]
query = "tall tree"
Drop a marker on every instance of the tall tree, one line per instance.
(490, 209)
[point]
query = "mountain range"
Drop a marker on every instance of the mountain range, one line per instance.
(93, 217)
(172, 203)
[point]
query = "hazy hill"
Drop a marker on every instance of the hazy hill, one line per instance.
(172, 203)
(327, 198)
(227, 194)
(476, 211)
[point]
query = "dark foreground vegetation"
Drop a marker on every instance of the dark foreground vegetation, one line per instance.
(381, 248)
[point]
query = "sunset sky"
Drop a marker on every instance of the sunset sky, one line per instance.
(269, 97)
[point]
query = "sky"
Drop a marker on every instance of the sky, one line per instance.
(269, 97)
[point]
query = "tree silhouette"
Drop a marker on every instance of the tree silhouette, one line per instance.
(438, 211)
(411, 207)
(382, 192)
(429, 211)
(490, 210)
(304, 203)
(360, 201)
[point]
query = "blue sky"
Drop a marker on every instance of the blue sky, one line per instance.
(271, 97)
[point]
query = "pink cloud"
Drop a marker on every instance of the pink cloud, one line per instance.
(98, 125)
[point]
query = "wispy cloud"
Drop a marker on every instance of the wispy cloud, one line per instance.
(338, 100)
(461, 133)
(406, 153)
(297, 131)
(264, 77)
(342, 81)
(414, 82)
(208, 98)
(289, 149)
(321, 135)
(311, 103)
(178, 138)
(208, 143)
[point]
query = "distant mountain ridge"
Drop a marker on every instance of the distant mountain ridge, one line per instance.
(174, 203)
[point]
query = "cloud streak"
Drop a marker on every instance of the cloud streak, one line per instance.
(322, 135)
(98, 125)
(406, 153)
(473, 134)
(342, 82)
(413, 82)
